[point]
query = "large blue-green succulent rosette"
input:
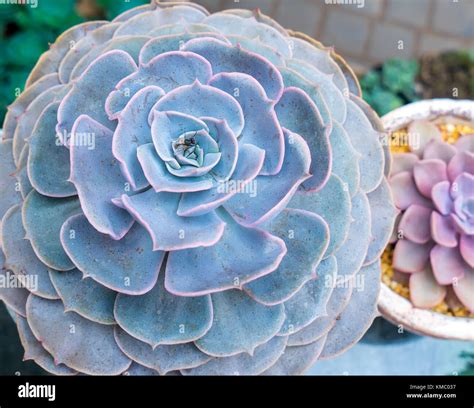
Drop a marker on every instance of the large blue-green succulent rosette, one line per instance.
(194, 194)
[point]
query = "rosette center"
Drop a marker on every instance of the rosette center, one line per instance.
(191, 148)
(195, 153)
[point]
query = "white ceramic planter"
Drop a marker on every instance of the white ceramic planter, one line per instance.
(392, 306)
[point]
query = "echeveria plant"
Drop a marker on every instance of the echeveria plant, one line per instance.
(434, 189)
(198, 193)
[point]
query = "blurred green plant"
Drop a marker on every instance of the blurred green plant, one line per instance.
(25, 33)
(398, 82)
(391, 85)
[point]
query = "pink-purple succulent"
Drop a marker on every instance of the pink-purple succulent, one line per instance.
(192, 188)
(434, 189)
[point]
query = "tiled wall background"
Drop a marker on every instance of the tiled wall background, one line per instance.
(379, 30)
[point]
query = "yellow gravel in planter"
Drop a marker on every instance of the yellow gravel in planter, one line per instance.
(450, 133)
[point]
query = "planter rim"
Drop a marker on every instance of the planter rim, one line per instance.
(400, 311)
(392, 306)
(462, 109)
